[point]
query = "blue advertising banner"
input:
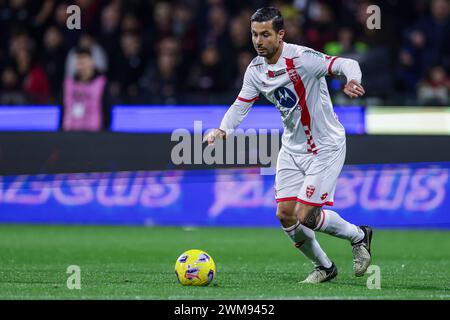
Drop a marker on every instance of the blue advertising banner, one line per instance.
(406, 195)
(154, 119)
(29, 118)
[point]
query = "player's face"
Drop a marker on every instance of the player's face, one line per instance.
(265, 39)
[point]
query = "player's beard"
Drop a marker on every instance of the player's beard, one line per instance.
(269, 53)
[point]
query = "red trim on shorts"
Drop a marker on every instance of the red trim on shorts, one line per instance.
(247, 100)
(328, 203)
(286, 199)
(330, 72)
(305, 117)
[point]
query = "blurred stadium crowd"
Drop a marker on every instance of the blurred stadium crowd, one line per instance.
(196, 51)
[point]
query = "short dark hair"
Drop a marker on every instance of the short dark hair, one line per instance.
(269, 14)
(82, 51)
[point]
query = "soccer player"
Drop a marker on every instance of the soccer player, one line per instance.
(313, 143)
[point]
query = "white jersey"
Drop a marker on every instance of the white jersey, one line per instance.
(295, 84)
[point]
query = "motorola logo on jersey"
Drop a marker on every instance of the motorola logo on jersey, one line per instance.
(285, 97)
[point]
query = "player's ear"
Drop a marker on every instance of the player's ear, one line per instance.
(281, 35)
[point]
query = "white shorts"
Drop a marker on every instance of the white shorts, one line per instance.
(309, 179)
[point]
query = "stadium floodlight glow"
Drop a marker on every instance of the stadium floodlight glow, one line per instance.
(408, 120)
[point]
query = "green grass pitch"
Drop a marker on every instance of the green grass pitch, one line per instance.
(138, 262)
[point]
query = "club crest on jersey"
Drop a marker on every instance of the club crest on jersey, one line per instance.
(310, 191)
(285, 97)
(293, 75)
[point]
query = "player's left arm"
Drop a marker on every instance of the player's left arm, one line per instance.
(321, 65)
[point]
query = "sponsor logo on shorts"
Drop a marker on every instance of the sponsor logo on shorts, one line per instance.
(310, 191)
(324, 196)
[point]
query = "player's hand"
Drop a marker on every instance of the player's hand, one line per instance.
(213, 135)
(353, 89)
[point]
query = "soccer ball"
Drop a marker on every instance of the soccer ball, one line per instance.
(195, 268)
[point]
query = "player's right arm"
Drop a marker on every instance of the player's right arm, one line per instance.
(237, 111)
(320, 65)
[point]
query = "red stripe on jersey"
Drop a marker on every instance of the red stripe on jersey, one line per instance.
(301, 93)
(330, 72)
(247, 100)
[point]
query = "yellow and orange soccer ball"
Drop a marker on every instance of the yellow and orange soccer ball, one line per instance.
(195, 268)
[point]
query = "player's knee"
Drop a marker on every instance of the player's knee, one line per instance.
(286, 216)
(282, 214)
(308, 216)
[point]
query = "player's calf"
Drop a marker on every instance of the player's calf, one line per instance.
(308, 216)
(330, 222)
(302, 237)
